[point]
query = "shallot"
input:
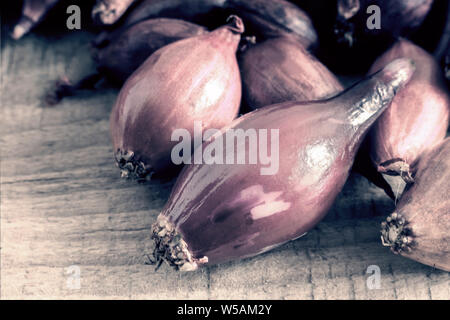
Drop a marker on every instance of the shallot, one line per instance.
(194, 79)
(419, 227)
(281, 69)
(418, 117)
(232, 205)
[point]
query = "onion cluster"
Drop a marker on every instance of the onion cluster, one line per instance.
(178, 66)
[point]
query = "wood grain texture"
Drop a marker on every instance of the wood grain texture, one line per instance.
(63, 205)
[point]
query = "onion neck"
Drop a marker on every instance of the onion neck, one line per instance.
(364, 102)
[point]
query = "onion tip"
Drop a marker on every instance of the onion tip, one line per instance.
(400, 71)
(235, 24)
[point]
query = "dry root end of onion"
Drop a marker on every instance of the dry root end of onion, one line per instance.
(171, 248)
(396, 234)
(130, 167)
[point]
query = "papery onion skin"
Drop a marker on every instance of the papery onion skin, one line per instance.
(281, 69)
(220, 212)
(195, 79)
(419, 227)
(418, 117)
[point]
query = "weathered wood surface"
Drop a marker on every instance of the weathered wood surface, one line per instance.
(63, 204)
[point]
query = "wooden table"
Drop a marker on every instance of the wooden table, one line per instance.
(65, 211)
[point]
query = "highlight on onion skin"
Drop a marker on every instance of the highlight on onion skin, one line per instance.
(281, 69)
(33, 12)
(194, 79)
(107, 12)
(419, 227)
(220, 212)
(418, 117)
(275, 18)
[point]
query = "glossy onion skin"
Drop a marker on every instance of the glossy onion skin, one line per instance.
(418, 117)
(127, 49)
(33, 11)
(195, 79)
(107, 12)
(281, 69)
(419, 227)
(273, 18)
(220, 212)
